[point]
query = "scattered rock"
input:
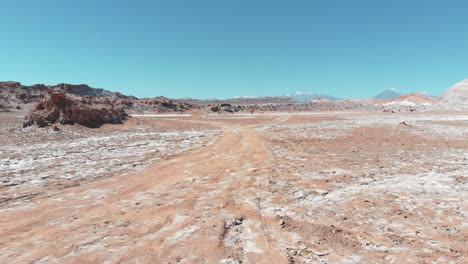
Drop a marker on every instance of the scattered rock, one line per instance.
(404, 124)
(301, 194)
(234, 222)
(282, 223)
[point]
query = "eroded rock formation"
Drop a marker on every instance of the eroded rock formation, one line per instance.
(57, 107)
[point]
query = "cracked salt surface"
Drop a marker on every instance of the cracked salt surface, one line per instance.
(81, 157)
(324, 201)
(426, 124)
(184, 233)
(242, 237)
(398, 202)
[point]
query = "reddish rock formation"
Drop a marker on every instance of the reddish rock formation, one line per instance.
(85, 90)
(16, 93)
(418, 98)
(64, 108)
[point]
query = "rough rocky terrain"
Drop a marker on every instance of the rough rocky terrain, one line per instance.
(15, 96)
(339, 187)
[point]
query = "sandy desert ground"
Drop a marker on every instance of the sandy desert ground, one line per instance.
(283, 188)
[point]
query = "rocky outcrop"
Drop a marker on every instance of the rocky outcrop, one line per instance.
(226, 108)
(16, 93)
(162, 105)
(64, 108)
(85, 90)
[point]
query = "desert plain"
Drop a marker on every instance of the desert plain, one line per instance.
(332, 187)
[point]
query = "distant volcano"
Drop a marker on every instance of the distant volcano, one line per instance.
(391, 93)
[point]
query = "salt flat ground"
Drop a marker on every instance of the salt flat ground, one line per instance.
(283, 188)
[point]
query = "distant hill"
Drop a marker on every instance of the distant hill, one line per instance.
(391, 93)
(456, 97)
(418, 98)
(240, 100)
(297, 97)
(307, 97)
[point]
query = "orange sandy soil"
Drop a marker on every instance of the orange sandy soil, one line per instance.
(347, 188)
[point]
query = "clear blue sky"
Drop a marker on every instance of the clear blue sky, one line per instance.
(201, 48)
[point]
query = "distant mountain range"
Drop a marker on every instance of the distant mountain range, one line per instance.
(298, 97)
(301, 97)
(14, 95)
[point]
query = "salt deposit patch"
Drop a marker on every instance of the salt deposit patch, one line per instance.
(421, 125)
(184, 233)
(78, 158)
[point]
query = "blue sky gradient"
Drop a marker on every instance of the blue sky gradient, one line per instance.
(201, 48)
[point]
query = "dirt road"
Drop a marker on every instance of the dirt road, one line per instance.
(179, 209)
